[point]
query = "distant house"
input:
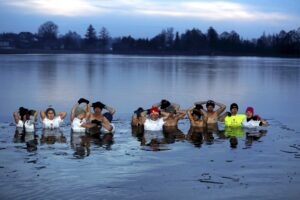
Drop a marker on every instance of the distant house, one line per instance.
(6, 44)
(26, 40)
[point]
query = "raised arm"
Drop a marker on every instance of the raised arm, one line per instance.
(42, 115)
(176, 106)
(222, 117)
(16, 117)
(189, 113)
(221, 109)
(72, 116)
(110, 109)
(164, 115)
(180, 115)
(62, 115)
(204, 113)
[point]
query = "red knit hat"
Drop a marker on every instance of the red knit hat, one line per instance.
(250, 109)
(154, 110)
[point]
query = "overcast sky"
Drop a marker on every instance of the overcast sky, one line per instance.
(146, 18)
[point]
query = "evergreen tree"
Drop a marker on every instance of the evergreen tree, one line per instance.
(90, 38)
(104, 38)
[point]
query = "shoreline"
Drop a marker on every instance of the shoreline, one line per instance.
(141, 53)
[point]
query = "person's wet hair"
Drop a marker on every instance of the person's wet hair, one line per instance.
(31, 112)
(234, 105)
(171, 109)
(164, 104)
(98, 104)
(210, 103)
(23, 112)
(50, 109)
(139, 111)
(197, 113)
(198, 106)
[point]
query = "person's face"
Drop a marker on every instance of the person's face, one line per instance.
(210, 108)
(24, 117)
(234, 111)
(81, 116)
(50, 115)
(154, 116)
(171, 115)
(97, 110)
(195, 117)
(249, 114)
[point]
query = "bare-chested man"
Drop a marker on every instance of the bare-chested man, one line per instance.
(172, 117)
(212, 115)
(105, 119)
(197, 116)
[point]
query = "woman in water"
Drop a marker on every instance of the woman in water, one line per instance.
(25, 119)
(251, 120)
(79, 117)
(50, 119)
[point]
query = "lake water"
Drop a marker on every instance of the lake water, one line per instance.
(264, 165)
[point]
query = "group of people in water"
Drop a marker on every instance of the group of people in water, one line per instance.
(163, 116)
(167, 114)
(160, 115)
(83, 120)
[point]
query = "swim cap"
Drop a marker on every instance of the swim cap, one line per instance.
(210, 103)
(234, 105)
(153, 110)
(164, 104)
(98, 104)
(79, 110)
(250, 109)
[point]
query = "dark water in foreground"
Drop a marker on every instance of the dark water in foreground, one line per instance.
(185, 165)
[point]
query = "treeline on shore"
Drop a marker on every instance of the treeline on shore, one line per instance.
(167, 42)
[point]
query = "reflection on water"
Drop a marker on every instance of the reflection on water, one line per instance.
(115, 165)
(52, 136)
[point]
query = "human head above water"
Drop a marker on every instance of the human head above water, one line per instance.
(171, 110)
(234, 108)
(210, 105)
(50, 113)
(80, 113)
(249, 112)
(24, 113)
(164, 104)
(98, 106)
(196, 114)
(154, 113)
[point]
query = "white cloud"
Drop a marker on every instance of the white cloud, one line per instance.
(204, 10)
(58, 7)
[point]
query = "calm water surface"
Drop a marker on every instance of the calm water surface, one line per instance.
(186, 164)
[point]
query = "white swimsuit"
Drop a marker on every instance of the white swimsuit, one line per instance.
(250, 124)
(54, 123)
(29, 125)
(151, 125)
(76, 125)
